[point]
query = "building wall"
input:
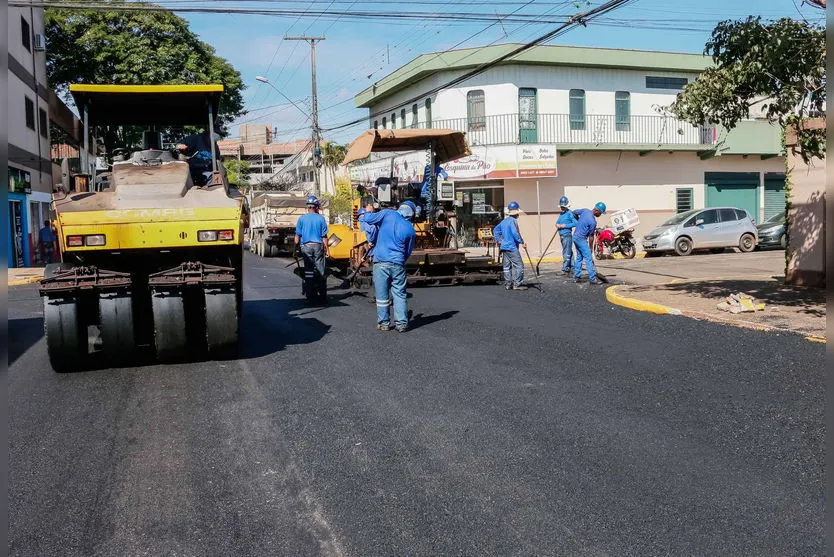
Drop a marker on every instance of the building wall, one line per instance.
(806, 261)
(622, 181)
(553, 83)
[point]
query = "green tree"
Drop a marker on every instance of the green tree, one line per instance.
(238, 172)
(135, 47)
(340, 203)
(780, 64)
(333, 156)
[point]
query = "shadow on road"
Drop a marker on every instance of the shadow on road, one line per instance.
(268, 326)
(23, 333)
(421, 320)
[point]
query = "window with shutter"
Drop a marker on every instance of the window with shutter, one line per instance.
(622, 110)
(684, 199)
(475, 110)
(577, 109)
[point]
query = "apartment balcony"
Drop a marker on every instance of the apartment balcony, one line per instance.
(594, 131)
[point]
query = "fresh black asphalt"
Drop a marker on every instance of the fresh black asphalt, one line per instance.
(504, 423)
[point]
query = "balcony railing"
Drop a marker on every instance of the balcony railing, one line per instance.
(564, 129)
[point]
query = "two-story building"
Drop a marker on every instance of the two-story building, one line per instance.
(588, 123)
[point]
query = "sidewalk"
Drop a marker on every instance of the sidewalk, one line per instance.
(696, 284)
(24, 275)
(787, 308)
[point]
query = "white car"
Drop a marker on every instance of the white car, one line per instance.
(713, 228)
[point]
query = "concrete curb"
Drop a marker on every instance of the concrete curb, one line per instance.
(559, 259)
(615, 298)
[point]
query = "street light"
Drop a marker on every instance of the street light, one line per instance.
(262, 79)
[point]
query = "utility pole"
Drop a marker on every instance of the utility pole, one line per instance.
(316, 134)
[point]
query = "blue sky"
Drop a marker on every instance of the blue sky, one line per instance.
(354, 50)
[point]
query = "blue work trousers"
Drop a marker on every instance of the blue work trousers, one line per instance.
(315, 279)
(513, 268)
(389, 282)
(567, 252)
(583, 253)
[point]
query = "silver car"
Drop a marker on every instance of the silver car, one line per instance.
(713, 228)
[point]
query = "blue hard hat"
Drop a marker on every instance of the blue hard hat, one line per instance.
(563, 201)
(311, 200)
(600, 206)
(513, 206)
(410, 204)
(361, 212)
(406, 211)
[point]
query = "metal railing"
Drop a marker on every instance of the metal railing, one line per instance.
(564, 129)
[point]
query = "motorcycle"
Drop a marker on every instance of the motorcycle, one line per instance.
(607, 243)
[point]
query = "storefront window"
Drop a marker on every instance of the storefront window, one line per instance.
(480, 207)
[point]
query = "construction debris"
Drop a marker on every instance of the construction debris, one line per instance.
(740, 303)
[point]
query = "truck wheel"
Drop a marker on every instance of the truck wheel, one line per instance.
(66, 337)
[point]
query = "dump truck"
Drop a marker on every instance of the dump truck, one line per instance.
(273, 219)
(437, 258)
(152, 263)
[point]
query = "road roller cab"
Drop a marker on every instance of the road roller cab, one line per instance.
(151, 263)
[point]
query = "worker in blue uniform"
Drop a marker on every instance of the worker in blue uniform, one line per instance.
(508, 237)
(425, 190)
(586, 225)
(394, 243)
(565, 224)
(311, 237)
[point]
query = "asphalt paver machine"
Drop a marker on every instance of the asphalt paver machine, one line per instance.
(437, 258)
(152, 263)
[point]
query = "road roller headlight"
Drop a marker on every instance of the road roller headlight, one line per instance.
(95, 240)
(215, 235)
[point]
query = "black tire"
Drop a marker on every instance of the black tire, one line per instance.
(747, 243)
(169, 326)
(783, 241)
(683, 246)
(274, 250)
(116, 325)
(66, 337)
(221, 323)
(628, 251)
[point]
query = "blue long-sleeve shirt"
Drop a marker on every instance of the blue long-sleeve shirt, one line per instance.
(586, 223)
(425, 192)
(569, 221)
(370, 231)
(507, 235)
(395, 237)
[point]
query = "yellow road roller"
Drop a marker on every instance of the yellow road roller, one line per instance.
(152, 263)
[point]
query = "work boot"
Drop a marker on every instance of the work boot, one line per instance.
(595, 281)
(508, 287)
(382, 327)
(401, 328)
(577, 280)
(520, 287)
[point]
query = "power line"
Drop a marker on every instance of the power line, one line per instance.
(581, 18)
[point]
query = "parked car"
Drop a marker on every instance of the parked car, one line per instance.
(713, 228)
(772, 232)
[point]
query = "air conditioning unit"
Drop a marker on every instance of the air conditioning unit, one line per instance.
(40, 42)
(446, 191)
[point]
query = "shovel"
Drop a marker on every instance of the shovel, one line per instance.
(545, 251)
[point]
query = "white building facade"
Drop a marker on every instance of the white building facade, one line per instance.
(591, 124)
(30, 166)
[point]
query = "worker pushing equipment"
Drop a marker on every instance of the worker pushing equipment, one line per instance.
(565, 225)
(395, 243)
(311, 236)
(509, 239)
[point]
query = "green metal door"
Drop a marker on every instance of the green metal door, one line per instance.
(733, 189)
(774, 194)
(527, 116)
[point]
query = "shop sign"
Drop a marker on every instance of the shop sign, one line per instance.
(20, 181)
(536, 160)
(478, 203)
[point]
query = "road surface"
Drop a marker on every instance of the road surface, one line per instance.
(504, 423)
